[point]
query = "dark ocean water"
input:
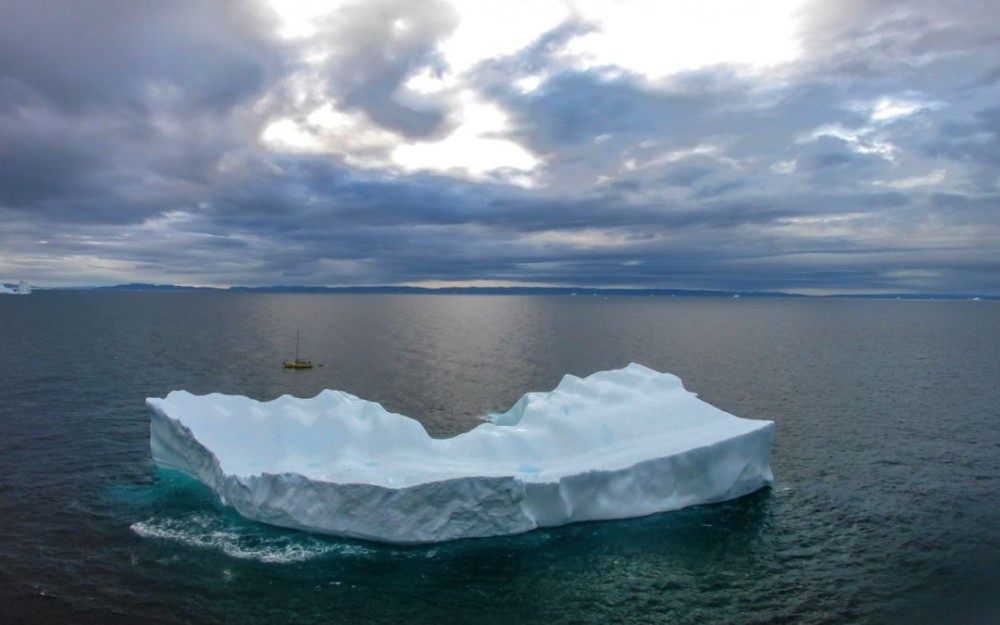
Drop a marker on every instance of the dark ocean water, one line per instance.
(885, 507)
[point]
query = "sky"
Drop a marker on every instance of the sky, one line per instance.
(802, 146)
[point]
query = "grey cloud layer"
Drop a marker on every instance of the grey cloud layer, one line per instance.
(129, 140)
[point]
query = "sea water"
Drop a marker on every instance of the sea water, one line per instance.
(885, 505)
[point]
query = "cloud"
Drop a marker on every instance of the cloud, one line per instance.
(398, 142)
(112, 112)
(134, 56)
(933, 178)
(372, 48)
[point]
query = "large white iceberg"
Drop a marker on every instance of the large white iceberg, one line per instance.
(616, 444)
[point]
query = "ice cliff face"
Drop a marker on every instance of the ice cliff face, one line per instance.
(616, 444)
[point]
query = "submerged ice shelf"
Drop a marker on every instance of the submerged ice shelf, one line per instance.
(616, 444)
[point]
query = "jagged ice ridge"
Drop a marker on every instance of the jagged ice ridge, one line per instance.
(616, 444)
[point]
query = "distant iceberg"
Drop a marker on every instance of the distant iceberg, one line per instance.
(616, 444)
(23, 288)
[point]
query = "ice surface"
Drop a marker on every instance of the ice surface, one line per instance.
(613, 445)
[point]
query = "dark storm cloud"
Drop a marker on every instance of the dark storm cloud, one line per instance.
(434, 229)
(574, 107)
(975, 140)
(829, 161)
(109, 109)
(109, 53)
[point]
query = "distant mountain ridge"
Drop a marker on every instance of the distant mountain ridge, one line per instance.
(471, 290)
(516, 290)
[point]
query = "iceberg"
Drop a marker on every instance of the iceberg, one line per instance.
(617, 444)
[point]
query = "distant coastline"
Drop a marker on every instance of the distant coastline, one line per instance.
(514, 290)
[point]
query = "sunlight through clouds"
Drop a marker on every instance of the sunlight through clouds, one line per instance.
(656, 39)
(488, 30)
(476, 147)
(649, 39)
(935, 177)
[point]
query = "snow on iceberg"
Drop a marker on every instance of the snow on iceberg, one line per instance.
(616, 444)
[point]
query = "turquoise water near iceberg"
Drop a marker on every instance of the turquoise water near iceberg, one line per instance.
(886, 459)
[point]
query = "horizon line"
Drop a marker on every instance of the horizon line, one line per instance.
(513, 289)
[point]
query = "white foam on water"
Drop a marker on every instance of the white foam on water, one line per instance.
(204, 531)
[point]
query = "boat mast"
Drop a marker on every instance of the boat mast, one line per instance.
(297, 345)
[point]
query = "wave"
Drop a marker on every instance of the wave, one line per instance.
(204, 531)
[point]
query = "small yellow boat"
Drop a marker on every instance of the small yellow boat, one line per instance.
(298, 363)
